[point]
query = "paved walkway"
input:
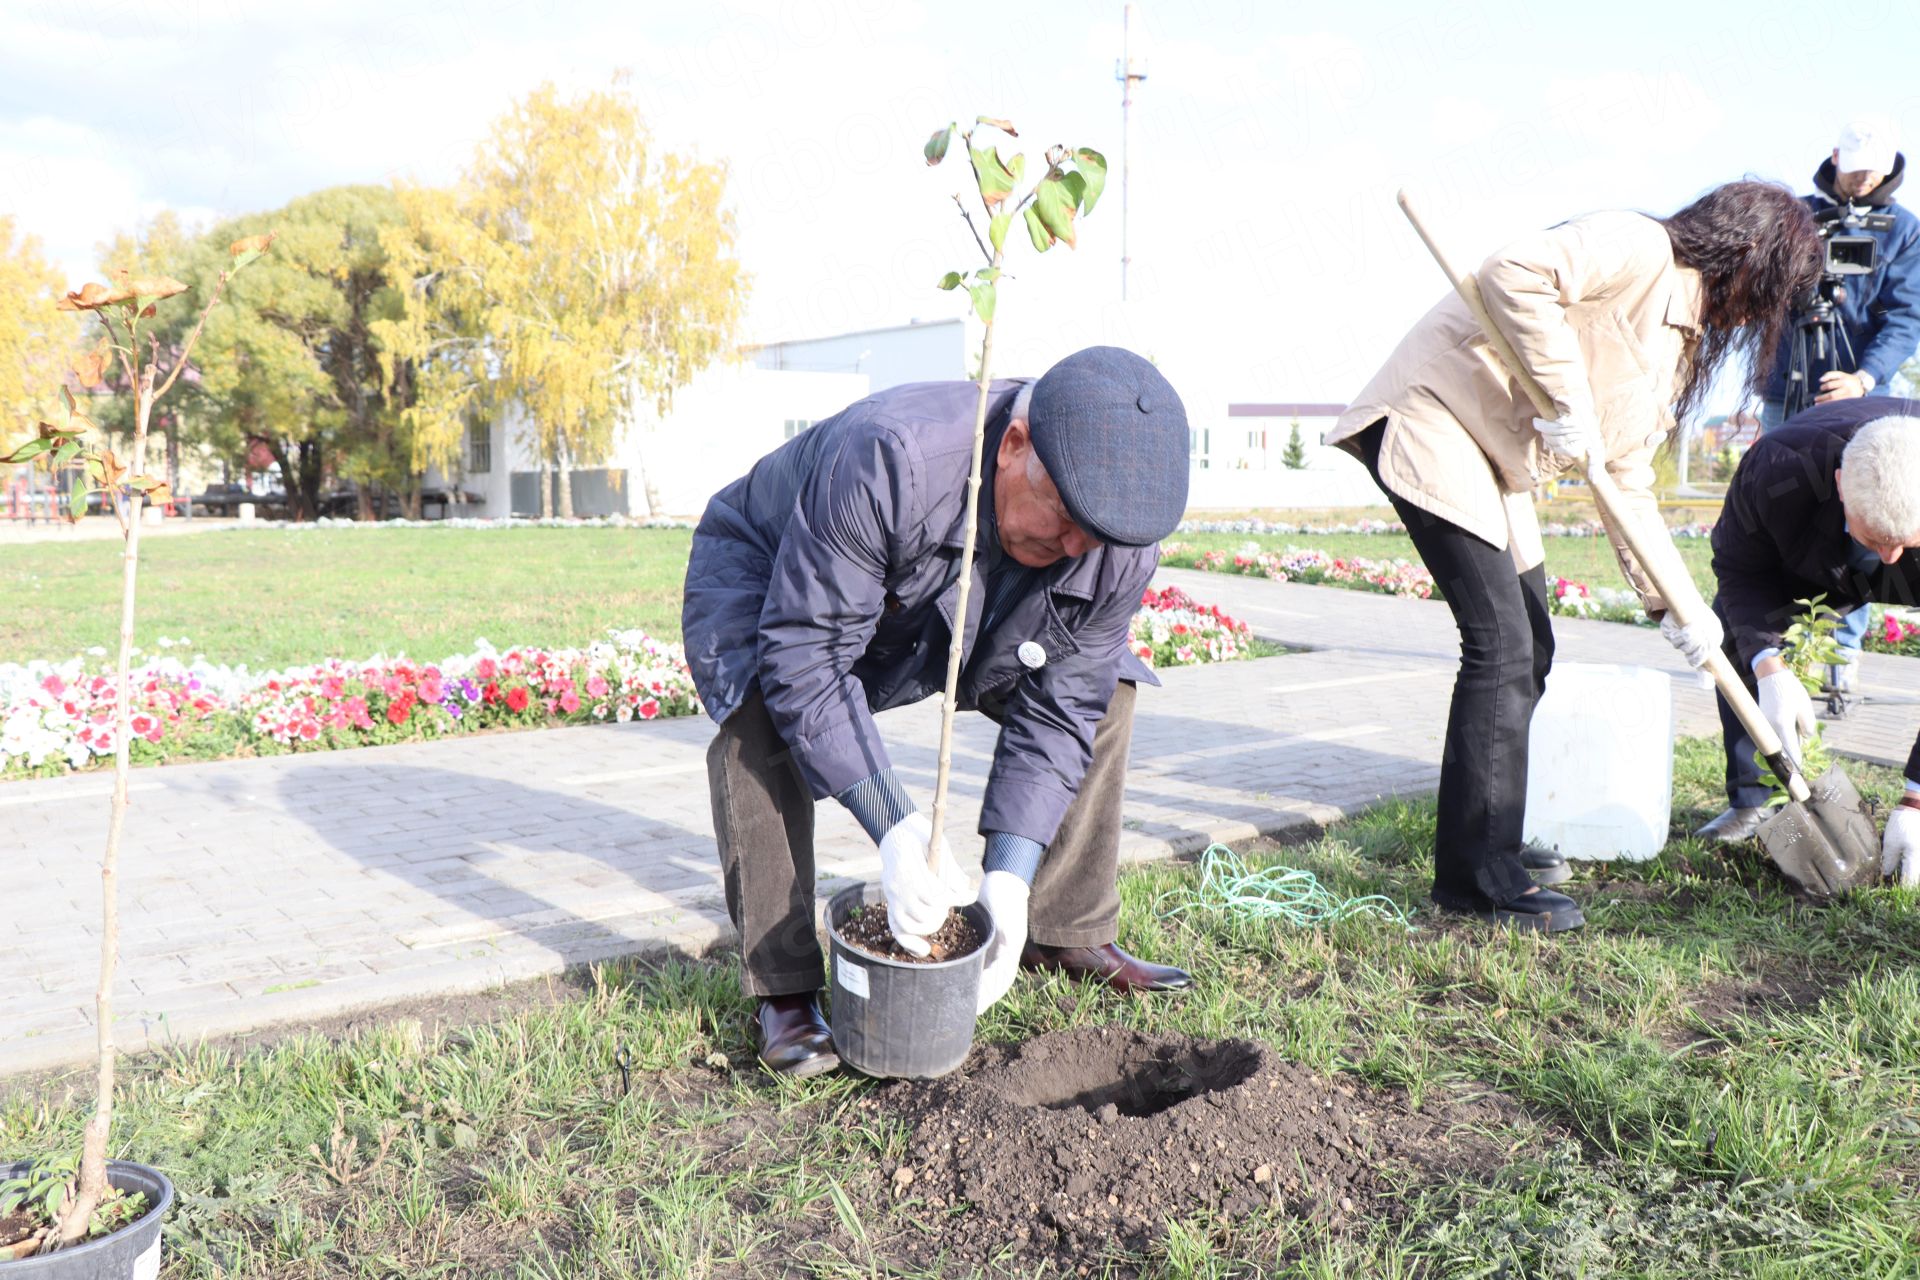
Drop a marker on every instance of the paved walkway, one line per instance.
(262, 892)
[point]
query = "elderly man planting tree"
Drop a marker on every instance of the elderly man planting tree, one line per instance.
(1827, 505)
(822, 589)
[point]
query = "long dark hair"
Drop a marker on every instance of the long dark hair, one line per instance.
(1754, 245)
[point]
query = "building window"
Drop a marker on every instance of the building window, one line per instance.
(479, 448)
(795, 426)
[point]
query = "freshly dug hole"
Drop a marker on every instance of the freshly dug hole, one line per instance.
(1079, 1141)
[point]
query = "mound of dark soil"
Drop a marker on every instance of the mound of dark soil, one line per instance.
(1072, 1143)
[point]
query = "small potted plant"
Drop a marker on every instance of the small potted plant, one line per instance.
(89, 1218)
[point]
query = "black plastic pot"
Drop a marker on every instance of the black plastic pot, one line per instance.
(131, 1253)
(890, 1018)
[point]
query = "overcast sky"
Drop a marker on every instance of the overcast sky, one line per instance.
(1269, 259)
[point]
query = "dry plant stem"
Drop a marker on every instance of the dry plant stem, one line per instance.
(936, 853)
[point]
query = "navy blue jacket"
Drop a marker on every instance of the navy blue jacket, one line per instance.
(828, 577)
(1881, 311)
(1782, 535)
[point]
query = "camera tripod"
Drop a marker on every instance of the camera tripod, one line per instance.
(1818, 338)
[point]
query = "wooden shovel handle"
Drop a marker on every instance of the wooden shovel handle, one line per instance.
(1661, 562)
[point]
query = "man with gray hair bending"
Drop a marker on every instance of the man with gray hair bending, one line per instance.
(1827, 505)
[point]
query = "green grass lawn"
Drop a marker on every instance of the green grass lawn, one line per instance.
(1589, 560)
(278, 597)
(1710, 1080)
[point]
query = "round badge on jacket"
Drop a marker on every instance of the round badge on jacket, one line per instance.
(1031, 655)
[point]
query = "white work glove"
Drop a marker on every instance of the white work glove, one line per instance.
(1004, 895)
(1695, 640)
(1785, 704)
(1900, 848)
(1571, 438)
(917, 899)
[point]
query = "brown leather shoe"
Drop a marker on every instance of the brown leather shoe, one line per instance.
(791, 1036)
(1108, 964)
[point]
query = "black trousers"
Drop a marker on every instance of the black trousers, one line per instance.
(763, 819)
(1506, 650)
(1745, 790)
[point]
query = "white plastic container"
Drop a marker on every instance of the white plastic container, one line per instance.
(1600, 768)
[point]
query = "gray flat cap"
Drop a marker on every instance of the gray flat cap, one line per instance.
(1112, 434)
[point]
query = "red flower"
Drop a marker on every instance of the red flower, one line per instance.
(647, 709)
(517, 700)
(569, 702)
(486, 669)
(397, 709)
(491, 693)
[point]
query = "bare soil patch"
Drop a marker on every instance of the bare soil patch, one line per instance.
(1079, 1142)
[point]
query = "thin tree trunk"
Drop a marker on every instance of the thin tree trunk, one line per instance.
(173, 453)
(649, 488)
(566, 480)
(93, 1150)
(546, 487)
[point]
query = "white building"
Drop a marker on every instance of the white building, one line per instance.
(1239, 462)
(725, 419)
(732, 414)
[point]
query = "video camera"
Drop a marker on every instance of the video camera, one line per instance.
(1819, 339)
(1842, 229)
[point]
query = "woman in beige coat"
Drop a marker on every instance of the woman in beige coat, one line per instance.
(1625, 319)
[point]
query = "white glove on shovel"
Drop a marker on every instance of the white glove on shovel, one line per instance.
(1900, 848)
(1695, 640)
(917, 899)
(1004, 895)
(1785, 704)
(1571, 438)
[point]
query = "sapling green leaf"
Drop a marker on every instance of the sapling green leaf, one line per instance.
(996, 178)
(1092, 167)
(951, 280)
(983, 299)
(28, 451)
(1055, 201)
(1037, 230)
(936, 148)
(997, 231)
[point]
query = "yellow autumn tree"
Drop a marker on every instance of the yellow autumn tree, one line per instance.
(575, 269)
(36, 341)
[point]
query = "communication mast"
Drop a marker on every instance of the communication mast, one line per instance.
(1129, 70)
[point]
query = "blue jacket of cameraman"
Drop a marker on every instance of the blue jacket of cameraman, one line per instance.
(1881, 311)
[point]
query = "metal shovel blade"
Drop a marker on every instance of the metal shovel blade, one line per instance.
(1825, 844)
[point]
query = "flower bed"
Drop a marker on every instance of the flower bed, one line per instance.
(1895, 633)
(1305, 564)
(1173, 630)
(1604, 604)
(59, 717)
